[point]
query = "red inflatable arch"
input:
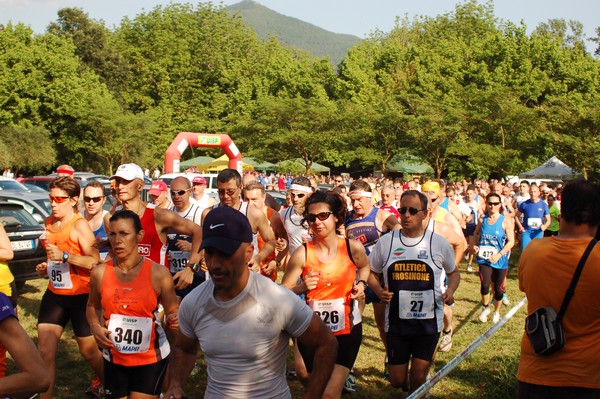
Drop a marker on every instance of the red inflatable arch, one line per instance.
(186, 139)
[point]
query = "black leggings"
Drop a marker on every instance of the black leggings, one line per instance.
(487, 275)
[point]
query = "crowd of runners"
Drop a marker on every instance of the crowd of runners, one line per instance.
(150, 287)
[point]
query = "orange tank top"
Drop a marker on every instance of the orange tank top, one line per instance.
(66, 279)
(330, 299)
(261, 243)
(129, 310)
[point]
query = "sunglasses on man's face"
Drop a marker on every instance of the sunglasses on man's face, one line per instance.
(179, 192)
(58, 199)
(301, 195)
(411, 210)
(311, 217)
(92, 199)
(493, 203)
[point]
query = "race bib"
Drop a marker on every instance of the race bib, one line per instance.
(178, 260)
(130, 334)
(416, 305)
(331, 312)
(59, 274)
(534, 223)
(486, 251)
(144, 250)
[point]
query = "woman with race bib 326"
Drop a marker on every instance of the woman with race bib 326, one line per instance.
(328, 267)
(122, 309)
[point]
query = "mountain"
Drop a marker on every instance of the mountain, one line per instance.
(294, 32)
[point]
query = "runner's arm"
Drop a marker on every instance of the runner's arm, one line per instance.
(183, 358)
(33, 376)
(318, 336)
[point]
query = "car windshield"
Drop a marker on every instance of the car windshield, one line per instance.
(11, 185)
(45, 204)
(12, 217)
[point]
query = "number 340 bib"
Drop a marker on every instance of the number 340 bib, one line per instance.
(130, 334)
(418, 305)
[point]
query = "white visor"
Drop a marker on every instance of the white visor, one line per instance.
(298, 187)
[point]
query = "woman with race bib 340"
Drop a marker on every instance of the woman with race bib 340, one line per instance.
(71, 250)
(328, 267)
(124, 298)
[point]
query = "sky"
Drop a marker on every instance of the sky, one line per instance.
(356, 17)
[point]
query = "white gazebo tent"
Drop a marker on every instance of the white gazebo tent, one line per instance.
(552, 169)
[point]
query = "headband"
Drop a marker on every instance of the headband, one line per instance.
(66, 171)
(360, 193)
(298, 187)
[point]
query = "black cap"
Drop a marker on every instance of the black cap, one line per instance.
(225, 229)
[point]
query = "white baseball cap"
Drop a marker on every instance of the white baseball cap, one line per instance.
(129, 171)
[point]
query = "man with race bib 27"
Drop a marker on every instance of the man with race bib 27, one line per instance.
(412, 261)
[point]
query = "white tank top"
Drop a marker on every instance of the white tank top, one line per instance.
(295, 228)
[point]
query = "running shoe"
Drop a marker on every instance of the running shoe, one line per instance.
(469, 268)
(95, 389)
(496, 317)
(505, 299)
(446, 342)
(483, 317)
(350, 384)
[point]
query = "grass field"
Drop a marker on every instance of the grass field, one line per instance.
(488, 373)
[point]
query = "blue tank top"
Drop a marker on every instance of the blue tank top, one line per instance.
(444, 203)
(100, 235)
(491, 241)
(364, 230)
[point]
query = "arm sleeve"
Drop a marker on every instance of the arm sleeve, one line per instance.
(375, 258)
(186, 316)
(299, 315)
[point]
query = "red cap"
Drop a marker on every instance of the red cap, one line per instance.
(158, 187)
(199, 180)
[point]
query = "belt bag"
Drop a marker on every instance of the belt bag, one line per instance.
(544, 331)
(544, 326)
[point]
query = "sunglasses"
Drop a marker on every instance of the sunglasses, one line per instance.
(92, 199)
(179, 193)
(311, 217)
(58, 199)
(493, 203)
(338, 181)
(412, 211)
(230, 192)
(302, 195)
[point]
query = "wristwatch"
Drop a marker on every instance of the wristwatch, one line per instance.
(65, 257)
(278, 263)
(194, 266)
(364, 282)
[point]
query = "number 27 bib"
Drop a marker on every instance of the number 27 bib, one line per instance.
(418, 305)
(130, 334)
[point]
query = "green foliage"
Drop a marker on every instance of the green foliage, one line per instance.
(467, 93)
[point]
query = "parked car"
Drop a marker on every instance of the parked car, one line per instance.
(40, 181)
(11, 184)
(24, 233)
(34, 188)
(37, 204)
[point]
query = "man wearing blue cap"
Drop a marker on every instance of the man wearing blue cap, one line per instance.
(243, 322)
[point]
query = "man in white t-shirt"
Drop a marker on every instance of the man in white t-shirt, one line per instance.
(243, 322)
